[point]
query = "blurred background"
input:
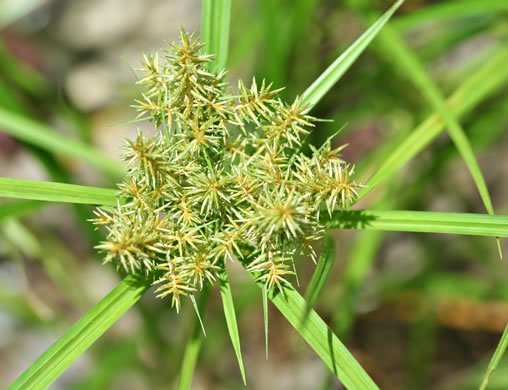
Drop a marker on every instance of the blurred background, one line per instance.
(418, 311)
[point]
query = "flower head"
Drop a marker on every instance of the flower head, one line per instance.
(224, 179)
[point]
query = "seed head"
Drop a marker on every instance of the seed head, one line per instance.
(223, 179)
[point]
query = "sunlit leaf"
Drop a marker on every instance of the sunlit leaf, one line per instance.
(57, 358)
(55, 192)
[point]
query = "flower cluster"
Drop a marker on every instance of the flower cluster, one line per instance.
(224, 178)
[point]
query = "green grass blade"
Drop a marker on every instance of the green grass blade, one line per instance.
(276, 20)
(37, 134)
(18, 209)
(193, 345)
(498, 354)
(215, 24)
(421, 221)
(448, 10)
(10, 100)
(321, 339)
(57, 358)
(206, 25)
(485, 81)
(402, 57)
(265, 317)
(56, 192)
(334, 72)
(198, 313)
(229, 313)
(223, 22)
(321, 274)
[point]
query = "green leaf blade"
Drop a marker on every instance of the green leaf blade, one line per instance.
(264, 292)
(193, 345)
(56, 192)
(321, 339)
(57, 358)
(321, 274)
(498, 354)
(402, 56)
(448, 11)
(334, 72)
(410, 65)
(230, 315)
(492, 76)
(215, 24)
(421, 221)
(206, 25)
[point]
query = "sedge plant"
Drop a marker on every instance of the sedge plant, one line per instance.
(224, 179)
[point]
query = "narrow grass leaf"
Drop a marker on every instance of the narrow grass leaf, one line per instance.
(283, 24)
(489, 78)
(206, 25)
(229, 313)
(277, 40)
(421, 221)
(193, 345)
(265, 317)
(334, 72)
(321, 274)
(498, 354)
(223, 22)
(35, 133)
(198, 315)
(321, 339)
(448, 10)
(55, 192)
(403, 57)
(57, 358)
(215, 24)
(56, 169)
